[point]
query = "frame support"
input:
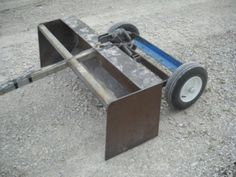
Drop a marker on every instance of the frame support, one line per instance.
(102, 92)
(159, 55)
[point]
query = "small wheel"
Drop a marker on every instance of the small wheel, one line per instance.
(127, 26)
(185, 85)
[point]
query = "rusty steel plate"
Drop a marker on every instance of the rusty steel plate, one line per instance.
(132, 120)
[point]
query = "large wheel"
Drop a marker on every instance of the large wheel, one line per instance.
(185, 85)
(127, 26)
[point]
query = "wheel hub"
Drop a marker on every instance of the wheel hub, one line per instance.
(191, 89)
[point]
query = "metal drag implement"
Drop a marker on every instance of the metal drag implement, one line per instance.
(127, 83)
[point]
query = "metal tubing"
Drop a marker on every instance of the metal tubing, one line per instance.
(159, 55)
(43, 72)
(31, 76)
(105, 95)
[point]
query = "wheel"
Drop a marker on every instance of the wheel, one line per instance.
(127, 26)
(185, 85)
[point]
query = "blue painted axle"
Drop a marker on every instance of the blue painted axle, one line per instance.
(159, 55)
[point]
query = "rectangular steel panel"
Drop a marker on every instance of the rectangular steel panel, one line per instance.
(132, 120)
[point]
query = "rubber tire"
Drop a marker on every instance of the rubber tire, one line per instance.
(178, 79)
(127, 26)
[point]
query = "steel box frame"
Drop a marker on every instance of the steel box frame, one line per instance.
(132, 118)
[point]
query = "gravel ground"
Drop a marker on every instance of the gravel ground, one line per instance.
(55, 128)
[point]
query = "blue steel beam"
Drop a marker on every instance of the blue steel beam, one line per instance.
(159, 55)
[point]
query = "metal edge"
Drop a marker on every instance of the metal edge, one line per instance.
(132, 120)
